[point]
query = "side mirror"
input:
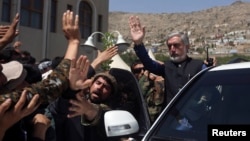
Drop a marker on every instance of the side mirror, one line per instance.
(120, 123)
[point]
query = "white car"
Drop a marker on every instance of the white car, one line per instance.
(214, 104)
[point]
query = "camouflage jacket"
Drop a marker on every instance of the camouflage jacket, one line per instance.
(153, 93)
(48, 89)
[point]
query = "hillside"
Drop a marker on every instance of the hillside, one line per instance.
(200, 24)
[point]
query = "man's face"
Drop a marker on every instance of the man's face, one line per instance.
(139, 70)
(177, 49)
(100, 90)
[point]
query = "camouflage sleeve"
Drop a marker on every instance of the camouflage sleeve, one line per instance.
(155, 100)
(48, 89)
(102, 108)
(144, 84)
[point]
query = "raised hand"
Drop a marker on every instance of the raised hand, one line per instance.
(8, 33)
(104, 56)
(71, 31)
(78, 73)
(82, 106)
(137, 31)
(70, 26)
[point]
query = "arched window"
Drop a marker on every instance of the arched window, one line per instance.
(85, 19)
(32, 13)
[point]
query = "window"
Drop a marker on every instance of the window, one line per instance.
(32, 13)
(6, 8)
(212, 98)
(53, 15)
(85, 19)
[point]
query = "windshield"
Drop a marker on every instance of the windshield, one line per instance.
(217, 97)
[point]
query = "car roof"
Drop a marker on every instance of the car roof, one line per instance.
(241, 65)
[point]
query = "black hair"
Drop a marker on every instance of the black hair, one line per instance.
(136, 62)
(9, 54)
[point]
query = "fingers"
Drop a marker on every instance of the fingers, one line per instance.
(34, 103)
(86, 84)
(74, 109)
(64, 19)
(31, 107)
(113, 50)
(83, 64)
(77, 106)
(5, 106)
(76, 21)
(70, 17)
(67, 19)
(17, 32)
(134, 23)
(71, 115)
(15, 21)
(20, 103)
(79, 62)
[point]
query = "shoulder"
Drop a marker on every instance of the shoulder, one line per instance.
(195, 61)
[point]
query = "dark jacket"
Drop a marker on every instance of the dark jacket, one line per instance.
(175, 74)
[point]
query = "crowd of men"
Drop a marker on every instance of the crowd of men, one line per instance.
(64, 98)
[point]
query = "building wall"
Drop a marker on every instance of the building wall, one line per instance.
(42, 43)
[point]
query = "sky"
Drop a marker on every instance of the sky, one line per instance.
(165, 6)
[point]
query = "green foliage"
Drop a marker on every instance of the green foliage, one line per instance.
(161, 57)
(108, 40)
(200, 50)
(129, 58)
(226, 59)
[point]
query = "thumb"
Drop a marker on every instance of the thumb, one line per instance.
(86, 84)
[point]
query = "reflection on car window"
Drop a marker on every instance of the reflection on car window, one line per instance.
(214, 98)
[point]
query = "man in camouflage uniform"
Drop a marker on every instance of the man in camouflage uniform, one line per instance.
(153, 92)
(152, 87)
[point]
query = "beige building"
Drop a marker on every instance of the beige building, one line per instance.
(40, 23)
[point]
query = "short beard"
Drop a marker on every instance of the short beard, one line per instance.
(178, 59)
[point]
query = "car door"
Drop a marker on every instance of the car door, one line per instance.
(130, 98)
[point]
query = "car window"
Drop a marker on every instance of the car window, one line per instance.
(129, 98)
(217, 97)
